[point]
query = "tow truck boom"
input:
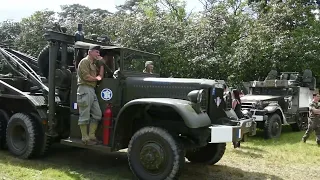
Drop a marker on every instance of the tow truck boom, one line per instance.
(18, 64)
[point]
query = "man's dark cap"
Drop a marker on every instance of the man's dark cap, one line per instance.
(94, 47)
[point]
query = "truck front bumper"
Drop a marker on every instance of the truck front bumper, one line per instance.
(225, 133)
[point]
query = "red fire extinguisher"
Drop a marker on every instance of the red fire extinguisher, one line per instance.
(107, 120)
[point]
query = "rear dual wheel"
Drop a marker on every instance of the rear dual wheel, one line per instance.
(25, 136)
(4, 118)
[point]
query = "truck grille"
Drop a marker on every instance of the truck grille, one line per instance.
(204, 101)
(247, 105)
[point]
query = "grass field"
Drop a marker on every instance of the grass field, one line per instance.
(286, 158)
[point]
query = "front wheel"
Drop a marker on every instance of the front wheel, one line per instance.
(210, 154)
(155, 154)
(273, 127)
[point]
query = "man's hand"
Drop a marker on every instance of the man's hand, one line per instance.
(98, 78)
(315, 111)
(99, 58)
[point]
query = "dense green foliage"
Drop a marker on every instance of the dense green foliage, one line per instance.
(233, 40)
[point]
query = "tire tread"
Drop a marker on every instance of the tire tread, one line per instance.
(176, 147)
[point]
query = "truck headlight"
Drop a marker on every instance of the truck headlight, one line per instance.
(195, 96)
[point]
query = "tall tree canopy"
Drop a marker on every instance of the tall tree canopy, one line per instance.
(234, 40)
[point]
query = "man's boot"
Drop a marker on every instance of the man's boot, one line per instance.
(92, 131)
(305, 137)
(85, 138)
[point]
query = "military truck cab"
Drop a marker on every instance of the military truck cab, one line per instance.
(280, 100)
(159, 120)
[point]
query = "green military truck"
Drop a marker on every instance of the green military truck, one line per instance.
(159, 120)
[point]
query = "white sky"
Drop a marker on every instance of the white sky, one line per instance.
(17, 9)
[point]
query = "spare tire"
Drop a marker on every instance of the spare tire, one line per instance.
(43, 60)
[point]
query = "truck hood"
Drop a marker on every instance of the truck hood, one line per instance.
(154, 81)
(253, 98)
(154, 87)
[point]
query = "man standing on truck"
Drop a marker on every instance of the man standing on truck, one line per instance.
(314, 119)
(86, 97)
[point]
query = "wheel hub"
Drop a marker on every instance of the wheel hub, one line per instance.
(275, 128)
(151, 156)
(19, 137)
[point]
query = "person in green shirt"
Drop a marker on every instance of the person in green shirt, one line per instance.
(314, 119)
(86, 97)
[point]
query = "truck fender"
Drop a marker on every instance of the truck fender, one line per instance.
(184, 108)
(273, 107)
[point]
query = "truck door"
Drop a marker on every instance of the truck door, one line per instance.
(109, 92)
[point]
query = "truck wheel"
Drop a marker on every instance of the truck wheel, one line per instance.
(301, 122)
(23, 136)
(4, 118)
(46, 141)
(154, 154)
(210, 154)
(273, 127)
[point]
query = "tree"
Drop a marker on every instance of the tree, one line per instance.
(9, 31)
(228, 40)
(31, 39)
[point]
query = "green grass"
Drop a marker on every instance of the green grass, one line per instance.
(285, 158)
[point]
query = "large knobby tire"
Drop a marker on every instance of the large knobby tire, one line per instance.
(4, 118)
(43, 59)
(155, 154)
(273, 127)
(23, 136)
(209, 154)
(46, 141)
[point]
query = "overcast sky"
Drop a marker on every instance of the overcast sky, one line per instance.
(17, 9)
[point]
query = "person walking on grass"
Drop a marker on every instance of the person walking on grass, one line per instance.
(314, 119)
(236, 106)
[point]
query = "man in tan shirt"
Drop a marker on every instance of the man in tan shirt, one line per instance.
(86, 97)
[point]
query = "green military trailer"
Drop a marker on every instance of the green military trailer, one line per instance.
(159, 120)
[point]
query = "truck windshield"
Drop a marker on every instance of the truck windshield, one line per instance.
(269, 91)
(135, 61)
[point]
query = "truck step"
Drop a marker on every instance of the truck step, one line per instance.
(78, 143)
